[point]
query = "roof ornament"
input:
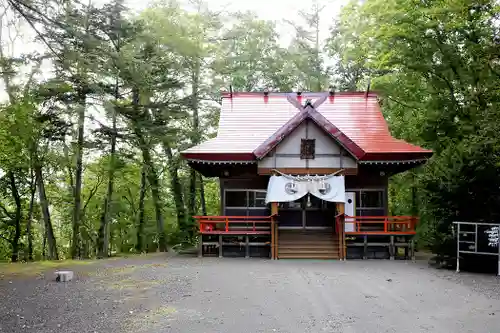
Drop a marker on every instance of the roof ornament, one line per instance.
(331, 90)
(266, 95)
(368, 88)
(331, 93)
(299, 97)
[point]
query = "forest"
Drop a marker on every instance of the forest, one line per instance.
(94, 115)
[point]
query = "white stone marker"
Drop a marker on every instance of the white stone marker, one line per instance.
(64, 276)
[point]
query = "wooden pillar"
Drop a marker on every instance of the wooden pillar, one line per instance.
(271, 254)
(276, 241)
(247, 247)
(274, 231)
(200, 247)
(220, 246)
(365, 247)
(391, 248)
(412, 249)
(341, 212)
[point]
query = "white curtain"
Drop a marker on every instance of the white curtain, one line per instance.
(288, 188)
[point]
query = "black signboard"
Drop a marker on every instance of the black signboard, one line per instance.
(487, 239)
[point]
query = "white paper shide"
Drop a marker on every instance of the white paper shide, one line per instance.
(287, 188)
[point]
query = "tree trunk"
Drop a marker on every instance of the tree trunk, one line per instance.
(30, 215)
(151, 174)
(195, 81)
(154, 182)
(44, 205)
(103, 239)
(44, 243)
(140, 217)
(202, 197)
(317, 49)
(77, 193)
(175, 183)
(17, 216)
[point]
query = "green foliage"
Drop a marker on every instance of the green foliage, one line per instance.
(151, 81)
(432, 62)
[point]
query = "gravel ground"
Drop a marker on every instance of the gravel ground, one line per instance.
(183, 294)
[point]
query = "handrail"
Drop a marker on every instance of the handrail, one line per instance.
(208, 224)
(236, 216)
(392, 225)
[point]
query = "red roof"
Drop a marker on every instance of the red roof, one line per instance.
(251, 125)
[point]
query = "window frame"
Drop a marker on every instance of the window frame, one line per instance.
(307, 149)
(358, 207)
(249, 193)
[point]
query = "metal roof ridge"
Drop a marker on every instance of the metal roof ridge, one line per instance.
(303, 94)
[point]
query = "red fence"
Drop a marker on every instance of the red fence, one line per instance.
(380, 225)
(236, 225)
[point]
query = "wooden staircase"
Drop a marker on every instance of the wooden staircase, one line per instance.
(308, 244)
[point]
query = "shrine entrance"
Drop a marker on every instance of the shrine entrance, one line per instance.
(304, 201)
(307, 212)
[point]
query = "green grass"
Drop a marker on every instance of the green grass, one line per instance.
(39, 267)
(32, 269)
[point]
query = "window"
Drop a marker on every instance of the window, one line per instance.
(371, 199)
(236, 199)
(245, 198)
(370, 203)
(256, 199)
(307, 149)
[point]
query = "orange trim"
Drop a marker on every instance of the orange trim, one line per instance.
(389, 225)
(212, 224)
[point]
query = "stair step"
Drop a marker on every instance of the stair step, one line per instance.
(308, 246)
(300, 252)
(297, 244)
(307, 256)
(281, 239)
(321, 244)
(304, 240)
(329, 241)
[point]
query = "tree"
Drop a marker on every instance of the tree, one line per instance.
(435, 70)
(305, 51)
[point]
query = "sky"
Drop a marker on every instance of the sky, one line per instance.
(274, 10)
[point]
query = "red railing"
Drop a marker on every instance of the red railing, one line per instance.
(380, 225)
(236, 225)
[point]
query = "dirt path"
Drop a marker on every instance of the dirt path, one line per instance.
(180, 294)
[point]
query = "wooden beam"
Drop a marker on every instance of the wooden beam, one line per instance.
(274, 231)
(220, 246)
(392, 248)
(342, 244)
(247, 247)
(200, 247)
(307, 171)
(365, 247)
